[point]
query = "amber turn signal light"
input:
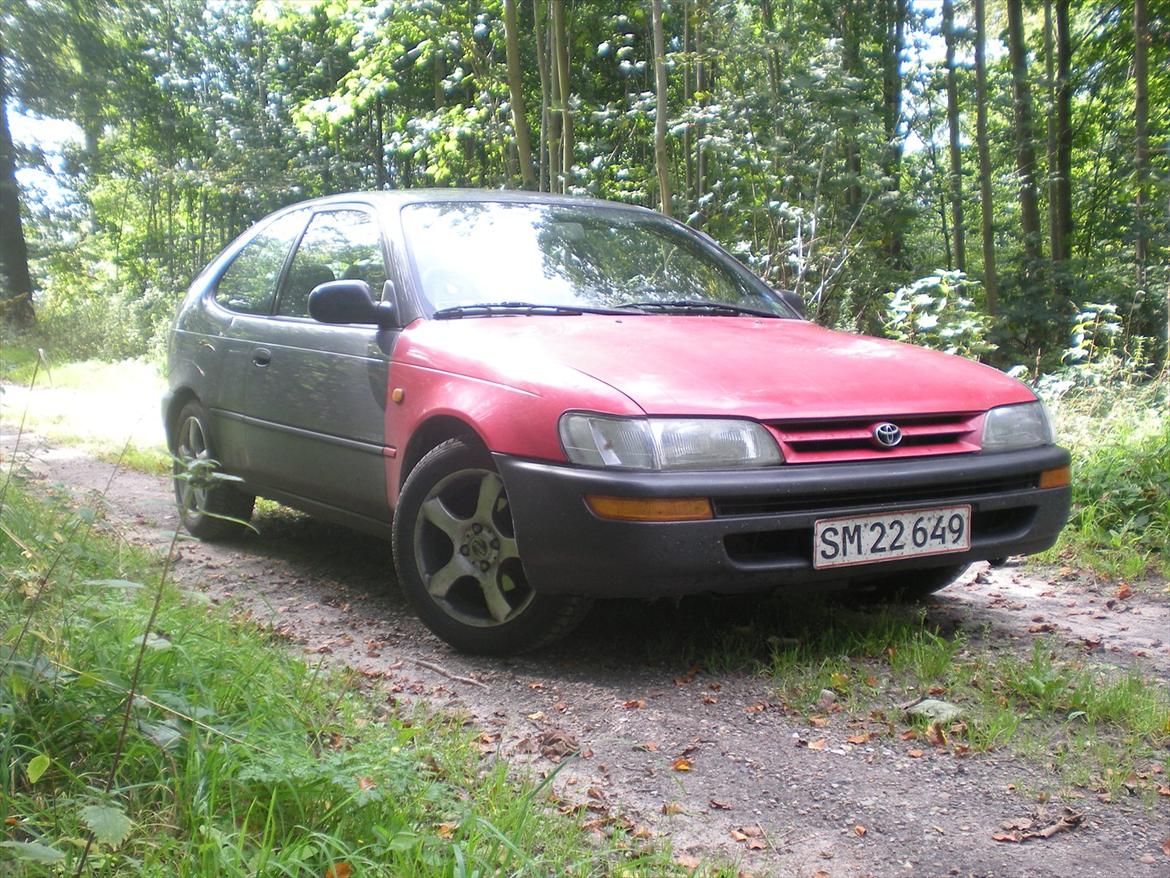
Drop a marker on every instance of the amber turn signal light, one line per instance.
(646, 509)
(1055, 478)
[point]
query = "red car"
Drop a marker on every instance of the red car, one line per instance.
(544, 400)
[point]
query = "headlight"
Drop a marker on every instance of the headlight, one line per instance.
(666, 443)
(1012, 427)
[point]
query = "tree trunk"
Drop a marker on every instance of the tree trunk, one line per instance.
(987, 208)
(892, 45)
(542, 176)
(516, 92)
(956, 177)
(1025, 146)
(561, 57)
(1054, 228)
(701, 99)
(851, 63)
(1064, 142)
(661, 160)
(1141, 152)
(16, 307)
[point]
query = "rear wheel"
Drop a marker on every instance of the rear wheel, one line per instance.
(458, 563)
(210, 509)
(908, 586)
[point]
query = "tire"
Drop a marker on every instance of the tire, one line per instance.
(908, 586)
(205, 509)
(457, 560)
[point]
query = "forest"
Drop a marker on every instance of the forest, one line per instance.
(989, 178)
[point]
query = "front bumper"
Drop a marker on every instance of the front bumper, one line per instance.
(761, 535)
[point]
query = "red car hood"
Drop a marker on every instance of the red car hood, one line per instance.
(697, 365)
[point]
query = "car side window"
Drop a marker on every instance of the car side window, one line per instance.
(249, 283)
(339, 244)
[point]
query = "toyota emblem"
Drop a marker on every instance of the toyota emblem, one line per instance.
(887, 435)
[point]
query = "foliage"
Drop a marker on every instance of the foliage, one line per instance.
(939, 312)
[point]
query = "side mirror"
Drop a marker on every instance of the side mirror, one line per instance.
(793, 301)
(348, 301)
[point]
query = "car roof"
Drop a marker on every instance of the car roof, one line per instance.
(388, 198)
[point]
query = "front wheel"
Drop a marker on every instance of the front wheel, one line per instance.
(458, 563)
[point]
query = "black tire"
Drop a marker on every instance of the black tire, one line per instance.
(455, 552)
(907, 586)
(206, 509)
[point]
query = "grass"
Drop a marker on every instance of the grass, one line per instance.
(1119, 436)
(237, 758)
(1098, 728)
(108, 410)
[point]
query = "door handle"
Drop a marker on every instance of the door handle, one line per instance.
(261, 356)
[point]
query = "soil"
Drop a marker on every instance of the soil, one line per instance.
(623, 691)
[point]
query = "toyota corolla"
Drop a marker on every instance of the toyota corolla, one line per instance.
(543, 400)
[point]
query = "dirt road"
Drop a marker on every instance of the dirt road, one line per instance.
(624, 692)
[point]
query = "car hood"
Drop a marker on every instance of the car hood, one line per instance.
(699, 365)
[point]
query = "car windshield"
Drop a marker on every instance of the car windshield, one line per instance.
(514, 255)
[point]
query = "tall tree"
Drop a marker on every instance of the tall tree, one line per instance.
(1064, 139)
(987, 206)
(661, 159)
(956, 176)
(516, 95)
(1141, 137)
(16, 306)
(1025, 144)
(893, 43)
(560, 52)
(1054, 227)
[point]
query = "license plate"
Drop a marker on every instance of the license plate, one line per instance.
(866, 539)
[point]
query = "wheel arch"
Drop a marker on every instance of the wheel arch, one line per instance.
(430, 433)
(178, 399)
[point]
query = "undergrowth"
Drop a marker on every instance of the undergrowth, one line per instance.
(224, 755)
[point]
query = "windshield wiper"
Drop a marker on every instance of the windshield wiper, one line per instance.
(527, 309)
(698, 307)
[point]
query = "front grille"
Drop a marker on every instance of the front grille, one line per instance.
(829, 441)
(729, 507)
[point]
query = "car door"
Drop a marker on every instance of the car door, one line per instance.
(315, 394)
(240, 303)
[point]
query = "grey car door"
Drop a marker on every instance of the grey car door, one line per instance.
(315, 394)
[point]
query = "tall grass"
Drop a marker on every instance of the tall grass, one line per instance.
(1119, 435)
(238, 759)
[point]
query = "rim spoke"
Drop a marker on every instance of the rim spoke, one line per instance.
(440, 516)
(440, 582)
(490, 489)
(508, 548)
(497, 604)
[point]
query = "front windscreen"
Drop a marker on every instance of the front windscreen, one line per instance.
(469, 253)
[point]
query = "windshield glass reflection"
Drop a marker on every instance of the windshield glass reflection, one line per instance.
(468, 253)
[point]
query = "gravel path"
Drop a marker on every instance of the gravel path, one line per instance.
(623, 691)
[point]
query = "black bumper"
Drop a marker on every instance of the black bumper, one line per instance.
(761, 535)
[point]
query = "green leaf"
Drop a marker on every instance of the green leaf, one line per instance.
(36, 767)
(109, 824)
(35, 851)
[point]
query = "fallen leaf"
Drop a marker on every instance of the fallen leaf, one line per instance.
(539, 715)
(819, 721)
(364, 783)
(687, 861)
(594, 793)
(935, 735)
(915, 753)
(671, 808)
(758, 707)
(339, 870)
(642, 832)
(860, 738)
(648, 746)
(909, 735)
(1164, 790)
(738, 836)
(716, 805)
(818, 744)
(634, 704)
(756, 844)
(860, 830)
(708, 699)
(446, 830)
(1166, 847)
(682, 764)
(1124, 592)
(820, 873)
